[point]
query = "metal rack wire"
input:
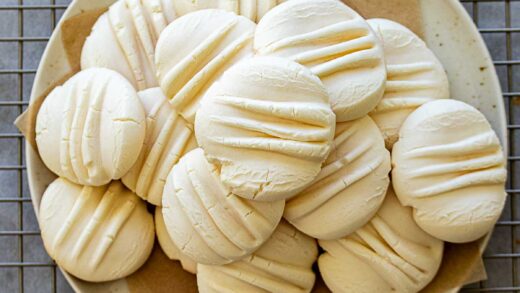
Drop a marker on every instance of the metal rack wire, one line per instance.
(502, 257)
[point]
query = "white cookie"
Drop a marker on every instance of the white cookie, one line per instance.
(91, 129)
(253, 10)
(282, 265)
(449, 166)
(337, 45)
(349, 189)
(124, 38)
(390, 254)
(206, 221)
(268, 124)
(168, 137)
(415, 76)
(195, 49)
(95, 233)
(169, 248)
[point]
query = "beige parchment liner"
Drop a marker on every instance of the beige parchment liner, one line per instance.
(462, 263)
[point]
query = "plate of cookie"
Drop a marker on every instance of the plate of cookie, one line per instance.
(266, 146)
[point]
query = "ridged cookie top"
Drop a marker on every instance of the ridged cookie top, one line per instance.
(449, 166)
(194, 50)
(168, 137)
(283, 264)
(253, 10)
(268, 124)
(206, 221)
(124, 38)
(349, 189)
(95, 233)
(169, 248)
(336, 43)
(415, 76)
(389, 254)
(91, 129)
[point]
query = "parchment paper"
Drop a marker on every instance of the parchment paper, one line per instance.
(405, 12)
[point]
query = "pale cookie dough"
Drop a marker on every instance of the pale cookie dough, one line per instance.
(449, 166)
(268, 124)
(349, 189)
(415, 76)
(168, 137)
(194, 51)
(97, 234)
(389, 254)
(167, 245)
(207, 222)
(124, 38)
(335, 43)
(253, 10)
(91, 129)
(282, 265)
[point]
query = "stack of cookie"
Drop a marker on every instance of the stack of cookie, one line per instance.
(255, 139)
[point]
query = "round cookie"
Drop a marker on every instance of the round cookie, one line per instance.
(349, 189)
(268, 125)
(449, 166)
(283, 264)
(168, 137)
(167, 245)
(253, 10)
(207, 222)
(91, 129)
(415, 76)
(389, 254)
(194, 50)
(335, 43)
(124, 38)
(97, 234)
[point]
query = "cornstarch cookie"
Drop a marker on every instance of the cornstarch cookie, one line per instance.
(97, 234)
(389, 254)
(168, 137)
(124, 38)
(206, 221)
(448, 166)
(335, 43)
(415, 76)
(283, 264)
(268, 124)
(195, 50)
(91, 129)
(349, 189)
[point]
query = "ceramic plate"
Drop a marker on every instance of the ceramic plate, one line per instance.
(448, 31)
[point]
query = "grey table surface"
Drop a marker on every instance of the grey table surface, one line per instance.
(23, 35)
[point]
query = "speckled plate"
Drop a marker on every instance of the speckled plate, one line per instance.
(448, 30)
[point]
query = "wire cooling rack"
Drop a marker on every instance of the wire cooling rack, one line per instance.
(25, 27)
